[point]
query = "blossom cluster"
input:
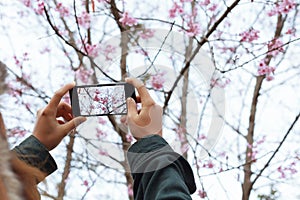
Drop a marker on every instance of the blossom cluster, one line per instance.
(127, 20)
(202, 194)
(255, 148)
(92, 50)
(249, 36)
(147, 33)
(62, 10)
(192, 27)
(283, 7)
(221, 82)
(264, 69)
(84, 20)
(157, 80)
(291, 169)
(100, 133)
(108, 51)
(19, 61)
(84, 75)
(176, 9)
(275, 47)
(17, 131)
(38, 7)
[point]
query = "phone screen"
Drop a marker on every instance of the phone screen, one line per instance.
(97, 100)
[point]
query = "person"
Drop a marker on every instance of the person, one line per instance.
(158, 172)
(31, 161)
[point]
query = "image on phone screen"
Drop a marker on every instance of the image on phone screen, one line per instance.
(97, 100)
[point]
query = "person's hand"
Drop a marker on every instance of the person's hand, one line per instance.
(49, 129)
(148, 120)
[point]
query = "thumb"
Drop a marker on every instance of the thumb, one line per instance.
(73, 124)
(131, 107)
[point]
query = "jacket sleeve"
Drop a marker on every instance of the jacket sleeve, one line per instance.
(35, 154)
(159, 172)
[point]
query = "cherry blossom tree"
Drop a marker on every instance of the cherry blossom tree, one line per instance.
(225, 72)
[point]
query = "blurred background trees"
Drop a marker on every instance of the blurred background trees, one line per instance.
(225, 72)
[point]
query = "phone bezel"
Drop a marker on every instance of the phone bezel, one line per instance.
(129, 92)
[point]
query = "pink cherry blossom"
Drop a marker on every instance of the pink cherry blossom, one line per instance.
(45, 50)
(252, 155)
(193, 28)
(84, 20)
(17, 62)
(142, 52)
(213, 7)
(289, 169)
(100, 134)
(96, 98)
(92, 50)
(291, 31)
(204, 3)
(103, 152)
(264, 69)
(202, 194)
(280, 170)
(209, 164)
(147, 33)
(202, 137)
(40, 8)
(261, 141)
(27, 3)
(275, 47)
(101, 121)
(127, 20)
(107, 51)
(157, 80)
(86, 183)
(249, 36)
(221, 82)
(175, 9)
(63, 10)
(226, 49)
(283, 7)
(17, 132)
(84, 75)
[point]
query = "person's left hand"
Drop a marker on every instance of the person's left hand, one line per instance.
(50, 130)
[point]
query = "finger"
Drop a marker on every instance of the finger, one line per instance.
(134, 81)
(68, 126)
(145, 97)
(64, 110)
(131, 108)
(52, 106)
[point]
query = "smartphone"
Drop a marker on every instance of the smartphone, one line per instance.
(101, 99)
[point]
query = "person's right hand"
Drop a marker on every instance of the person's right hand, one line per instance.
(148, 120)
